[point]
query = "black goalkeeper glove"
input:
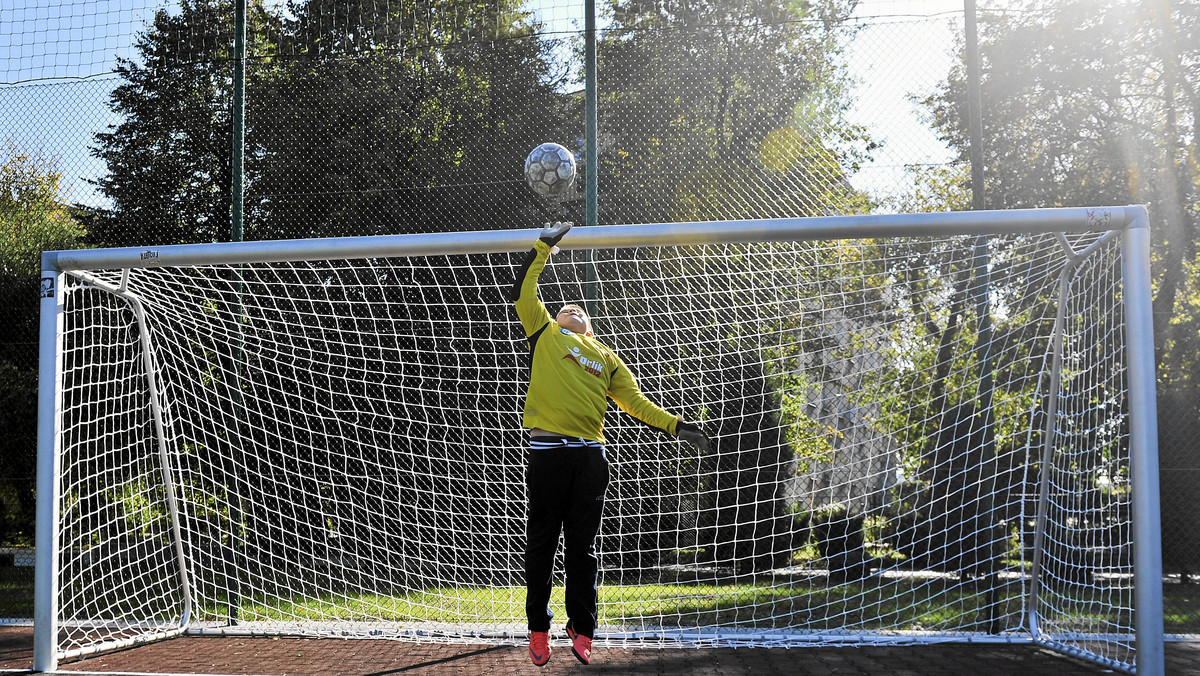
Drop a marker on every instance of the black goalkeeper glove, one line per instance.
(555, 231)
(692, 434)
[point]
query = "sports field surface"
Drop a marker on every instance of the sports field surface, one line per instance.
(339, 657)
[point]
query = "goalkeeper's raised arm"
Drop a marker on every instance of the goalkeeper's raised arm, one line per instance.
(572, 375)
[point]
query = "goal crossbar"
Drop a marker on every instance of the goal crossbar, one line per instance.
(1068, 220)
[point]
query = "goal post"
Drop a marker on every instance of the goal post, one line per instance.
(321, 437)
(1147, 563)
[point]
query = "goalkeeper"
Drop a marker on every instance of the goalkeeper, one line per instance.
(571, 378)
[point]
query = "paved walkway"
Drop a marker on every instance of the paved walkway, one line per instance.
(337, 657)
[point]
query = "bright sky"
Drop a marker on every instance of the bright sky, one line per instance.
(905, 52)
(56, 60)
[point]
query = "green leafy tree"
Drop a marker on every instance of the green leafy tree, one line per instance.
(718, 110)
(32, 215)
(362, 118)
(377, 118)
(723, 109)
(1093, 104)
(168, 159)
(32, 220)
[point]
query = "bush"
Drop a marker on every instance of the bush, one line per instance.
(839, 537)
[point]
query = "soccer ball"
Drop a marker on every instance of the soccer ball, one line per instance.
(550, 170)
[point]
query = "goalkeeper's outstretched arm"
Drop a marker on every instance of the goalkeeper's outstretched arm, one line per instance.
(624, 390)
(524, 294)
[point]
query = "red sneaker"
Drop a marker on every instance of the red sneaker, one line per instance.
(581, 646)
(539, 647)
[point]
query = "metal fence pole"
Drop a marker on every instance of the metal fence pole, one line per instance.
(591, 129)
(237, 184)
(982, 295)
(237, 194)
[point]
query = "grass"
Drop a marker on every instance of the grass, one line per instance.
(1181, 608)
(468, 604)
(16, 591)
(875, 605)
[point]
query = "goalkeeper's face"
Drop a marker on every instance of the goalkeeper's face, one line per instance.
(573, 318)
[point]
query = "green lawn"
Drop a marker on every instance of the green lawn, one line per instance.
(878, 604)
(896, 605)
(16, 591)
(1181, 608)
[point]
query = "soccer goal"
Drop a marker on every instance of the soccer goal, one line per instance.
(927, 428)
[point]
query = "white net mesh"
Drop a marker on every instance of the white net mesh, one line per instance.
(344, 446)
(1085, 592)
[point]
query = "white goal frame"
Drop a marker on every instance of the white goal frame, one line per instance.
(1130, 223)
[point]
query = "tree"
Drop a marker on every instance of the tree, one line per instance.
(32, 220)
(1081, 112)
(716, 110)
(1092, 104)
(168, 160)
(723, 109)
(362, 118)
(32, 217)
(377, 118)
(381, 119)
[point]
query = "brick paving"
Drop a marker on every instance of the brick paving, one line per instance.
(339, 657)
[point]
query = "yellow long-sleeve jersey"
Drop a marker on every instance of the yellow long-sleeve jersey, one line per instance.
(572, 375)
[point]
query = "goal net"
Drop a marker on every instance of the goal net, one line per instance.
(920, 434)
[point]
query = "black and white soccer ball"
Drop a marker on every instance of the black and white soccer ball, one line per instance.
(550, 170)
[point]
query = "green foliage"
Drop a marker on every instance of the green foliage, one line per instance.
(1063, 128)
(414, 109)
(1059, 129)
(369, 123)
(32, 219)
(141, 509)
(18, 453)
(712, 108)
(710, 112)
(168, 159)
(938, 188)
(1092, 103)
(812, 440)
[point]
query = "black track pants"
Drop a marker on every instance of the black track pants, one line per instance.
(566, 494)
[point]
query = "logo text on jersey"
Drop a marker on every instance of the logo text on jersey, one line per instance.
(590, 365)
